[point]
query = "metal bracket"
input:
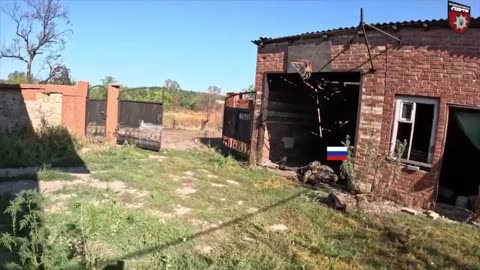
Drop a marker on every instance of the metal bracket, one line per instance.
(361, 27)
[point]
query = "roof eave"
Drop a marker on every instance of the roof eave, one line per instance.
(475, 23)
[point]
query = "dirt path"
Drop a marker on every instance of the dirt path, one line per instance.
(181, 139)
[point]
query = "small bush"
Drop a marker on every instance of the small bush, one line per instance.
(372, 165)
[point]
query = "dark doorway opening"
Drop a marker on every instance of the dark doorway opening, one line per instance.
(459, 184)
(295, 134)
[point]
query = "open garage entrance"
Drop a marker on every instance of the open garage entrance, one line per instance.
(459, 180)
(305, 116)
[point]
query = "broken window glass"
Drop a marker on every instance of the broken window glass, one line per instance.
(407, 111)
(415, 123)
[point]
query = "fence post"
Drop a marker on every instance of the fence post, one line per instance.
(111, 123)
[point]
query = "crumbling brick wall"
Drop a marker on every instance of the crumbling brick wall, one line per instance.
(25, 106)
(437, 63)
(47, 108)
(13, 114)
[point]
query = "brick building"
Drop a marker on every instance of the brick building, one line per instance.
(415, 90)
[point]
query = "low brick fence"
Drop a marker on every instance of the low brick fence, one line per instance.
(25, 106)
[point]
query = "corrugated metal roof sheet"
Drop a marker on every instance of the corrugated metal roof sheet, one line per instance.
(475, 22)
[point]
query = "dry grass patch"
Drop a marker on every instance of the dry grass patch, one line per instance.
(193, 119)
(272, 183)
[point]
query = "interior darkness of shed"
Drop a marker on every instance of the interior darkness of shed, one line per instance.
(293, 126)
(458, 177)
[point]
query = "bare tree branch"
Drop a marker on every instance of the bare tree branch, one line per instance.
(44, 15)
(14, 51)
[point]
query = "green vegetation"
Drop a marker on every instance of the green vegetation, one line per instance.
(171, 95)
(49, 145)
(27, 238)
(189, 100)
(17, 77)
(223, 221)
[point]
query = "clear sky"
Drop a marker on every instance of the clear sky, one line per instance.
(201, 43)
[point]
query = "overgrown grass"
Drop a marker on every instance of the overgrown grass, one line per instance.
(193, 119)
(49, 145)
(234, 219)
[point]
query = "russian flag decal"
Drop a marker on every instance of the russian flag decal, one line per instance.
(337, 153)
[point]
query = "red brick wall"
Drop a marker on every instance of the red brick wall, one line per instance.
(438, 63)
(74, 108)
(74, 101)
(271, 58)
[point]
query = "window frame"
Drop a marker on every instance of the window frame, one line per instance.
(399, 101)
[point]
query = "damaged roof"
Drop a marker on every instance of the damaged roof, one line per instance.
(474, 22)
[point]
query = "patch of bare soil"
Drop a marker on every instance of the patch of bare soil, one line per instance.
(203, 249)
(233, 182)
(181, 210)
(157, 157)
(128, 197)
(115, 186)
(58, 202)
(189, 173)
(174, 177)
(186, 189)
(380, 207)
(181, 139)
(277, 228)
(162, 216)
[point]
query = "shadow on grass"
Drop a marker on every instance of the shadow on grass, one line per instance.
(28, 146)
(116, 262)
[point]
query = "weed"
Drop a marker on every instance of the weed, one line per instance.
(370, 170)
(79, 243)
(48, 145)
(395, 168)
(26, 217)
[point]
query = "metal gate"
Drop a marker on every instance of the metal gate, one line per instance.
(237, 124)
(96, 114)
(96, 117)
(140, 123)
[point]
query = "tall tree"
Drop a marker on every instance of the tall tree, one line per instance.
(174, 88)
(101, 92)
(39, 31)
(60, 74)
(213, 92)
(172, 85)
(210, 99)
(108, 80)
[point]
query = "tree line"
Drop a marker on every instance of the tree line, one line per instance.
(170, 94)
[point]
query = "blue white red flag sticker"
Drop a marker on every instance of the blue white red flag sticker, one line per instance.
(337, 153)
(458, 16)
